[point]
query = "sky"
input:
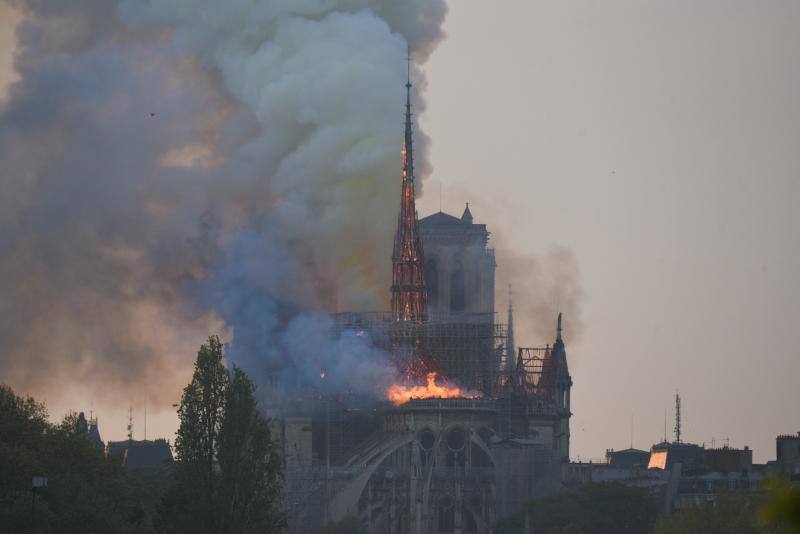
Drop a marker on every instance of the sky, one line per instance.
(658, 142)
(650, 147)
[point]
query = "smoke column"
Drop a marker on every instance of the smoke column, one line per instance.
(178, 168)
(543, 285)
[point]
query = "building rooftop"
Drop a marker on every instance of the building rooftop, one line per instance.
(138, 454)
(442, 219)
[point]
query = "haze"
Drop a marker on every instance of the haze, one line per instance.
(656, 141)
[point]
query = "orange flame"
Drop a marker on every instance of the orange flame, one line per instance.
(400, 394)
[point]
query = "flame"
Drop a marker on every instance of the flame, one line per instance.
(400, 393)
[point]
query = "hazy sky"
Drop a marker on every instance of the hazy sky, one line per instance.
(658, 141)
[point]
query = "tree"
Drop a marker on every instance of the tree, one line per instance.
(781, 508)
(596, 508)
(191, 501)
(250, 466)
(85, 492)
(730, 513)
(227, 472)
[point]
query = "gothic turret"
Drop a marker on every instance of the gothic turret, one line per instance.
(409, 292)
(511, 348)
(467, 215)
(562, 384)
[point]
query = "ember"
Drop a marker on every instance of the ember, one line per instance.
(400, 394)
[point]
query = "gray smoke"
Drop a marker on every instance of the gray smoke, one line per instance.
(543, 285)
(178, 168)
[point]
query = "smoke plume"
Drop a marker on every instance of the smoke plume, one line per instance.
(178, 168)
(543, 286)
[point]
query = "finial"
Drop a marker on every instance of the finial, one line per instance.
(510, 344)
(408, 74)
(558, 328)
(467, 215)
(408, 150)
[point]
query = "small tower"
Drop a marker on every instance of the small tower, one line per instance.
(511, 348)
(409, 292)
(677, 418)
(130, 423)
(467, 215)
(561, 390)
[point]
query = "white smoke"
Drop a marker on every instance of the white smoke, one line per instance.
(180, 168)
(325, 81)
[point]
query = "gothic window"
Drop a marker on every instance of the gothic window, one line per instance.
(457, 301)
(432, 281)
(456, 441)
(470, 525)
(446, 515)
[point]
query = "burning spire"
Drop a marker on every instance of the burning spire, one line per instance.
(409, 292)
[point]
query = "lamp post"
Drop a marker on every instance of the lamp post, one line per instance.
(36, 482)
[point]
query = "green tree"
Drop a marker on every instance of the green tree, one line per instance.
(85, 492)
(595, 508)
(250, 466)
(730, 513)
(781, 508)
(227, 472)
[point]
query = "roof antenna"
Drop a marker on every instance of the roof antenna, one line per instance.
(677, 418)
(440, 197)
(631, 431)
(130, 422)
(145, 416)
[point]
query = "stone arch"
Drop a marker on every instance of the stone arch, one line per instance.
(476, 439)
(345, 502)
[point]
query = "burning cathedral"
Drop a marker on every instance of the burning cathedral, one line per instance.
(477, 428)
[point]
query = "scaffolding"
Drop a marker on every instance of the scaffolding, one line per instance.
(464, 348)
(534, 369)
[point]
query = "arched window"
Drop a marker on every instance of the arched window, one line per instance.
(457, 303)
(432, 281)
(446, 514)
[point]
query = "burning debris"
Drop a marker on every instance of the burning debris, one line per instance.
(401, 393)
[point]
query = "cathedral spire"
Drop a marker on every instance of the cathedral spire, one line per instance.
(558, 328)
(408, 142)
(409, 292)
(511, 352)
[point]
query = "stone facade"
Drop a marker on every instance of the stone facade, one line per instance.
(435, 465)
(440, 466)
(459, 266)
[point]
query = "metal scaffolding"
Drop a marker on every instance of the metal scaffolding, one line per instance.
(464, 348)
(533, 368)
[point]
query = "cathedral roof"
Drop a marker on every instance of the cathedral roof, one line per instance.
(442, 225)
(441, 219)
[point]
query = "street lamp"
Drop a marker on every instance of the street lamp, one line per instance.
(36, 482)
